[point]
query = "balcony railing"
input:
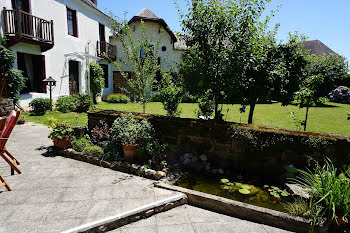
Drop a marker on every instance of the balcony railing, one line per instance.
(104, 48)
(23, 27)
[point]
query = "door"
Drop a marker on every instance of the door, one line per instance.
(73, 77)
(21, 4)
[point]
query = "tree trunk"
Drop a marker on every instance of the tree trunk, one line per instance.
(94, 99)
(216, 115)
(251, 111)
(144, 108)
(306, 116)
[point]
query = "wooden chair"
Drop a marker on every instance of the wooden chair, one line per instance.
(4, 183)
(4, 136)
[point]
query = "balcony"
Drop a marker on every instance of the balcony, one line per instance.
(23, 27)
(105, 49)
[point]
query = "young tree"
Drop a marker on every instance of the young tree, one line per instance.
(307, 95)
(97, 81)
(141, 57)
(171, 95)
(332, 67)
(15, 81)
(273, 71)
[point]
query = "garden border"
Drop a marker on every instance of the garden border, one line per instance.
(121, 166)
(244, 211)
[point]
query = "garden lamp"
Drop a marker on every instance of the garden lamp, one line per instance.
(51, 83)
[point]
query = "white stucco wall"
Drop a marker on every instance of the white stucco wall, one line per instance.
(82, 49)
(169, 58)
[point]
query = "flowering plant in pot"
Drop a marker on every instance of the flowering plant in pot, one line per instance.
(131, 133)
(61, 133)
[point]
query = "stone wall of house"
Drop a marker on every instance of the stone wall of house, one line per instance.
(6, 106)
(248, 148)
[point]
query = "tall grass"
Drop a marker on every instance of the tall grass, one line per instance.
(329, 188)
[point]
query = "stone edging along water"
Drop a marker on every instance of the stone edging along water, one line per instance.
(116, 221)
(244, 211)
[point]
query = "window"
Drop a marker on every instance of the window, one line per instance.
(102, 30)
(105, 74)
(72, 22)
(21, 4)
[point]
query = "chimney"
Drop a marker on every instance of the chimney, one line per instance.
(94, 1)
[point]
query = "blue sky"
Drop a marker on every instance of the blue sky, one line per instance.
(324, 20)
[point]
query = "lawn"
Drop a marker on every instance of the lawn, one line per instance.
(331, 118)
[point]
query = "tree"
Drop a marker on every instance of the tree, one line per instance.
(15, 81)
(307, 95)
(141, 58)
(171, 95)
(97, 81)
(216, 33)
(273, 71)
(332, 67)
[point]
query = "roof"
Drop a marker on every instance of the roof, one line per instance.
(147, 15)
(316, 47)
(94, 6)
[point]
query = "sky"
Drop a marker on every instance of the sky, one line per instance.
(324, 20)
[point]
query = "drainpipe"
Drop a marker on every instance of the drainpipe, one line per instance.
(88, 68)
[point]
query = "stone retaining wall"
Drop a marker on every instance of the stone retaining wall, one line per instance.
(252, 149)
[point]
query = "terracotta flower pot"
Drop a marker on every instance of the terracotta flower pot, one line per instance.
(62, 143)
(129, 152)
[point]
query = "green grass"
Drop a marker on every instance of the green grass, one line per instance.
(331, 118)
(69, 118)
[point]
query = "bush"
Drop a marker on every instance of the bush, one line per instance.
(79, 144)
(170, 96)
(82, 103)
(97, 81)
(94, 151)
(65, 104)
(131, 131)
(14, 78)
(39, 106)
(206, 108)
(118, 98)
(340, 95)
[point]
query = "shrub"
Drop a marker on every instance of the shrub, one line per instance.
(97, 81)
(94, 151)
(206, 108)
(39, 106)
(14, 78)
(65, 104)
(131, 131)
(82, 103)
(118, 98)
(170, 96)
(340, 95)
(79, 144)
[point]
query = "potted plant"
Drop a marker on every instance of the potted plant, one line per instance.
(21, 121)
(60, 134)
(131, 133)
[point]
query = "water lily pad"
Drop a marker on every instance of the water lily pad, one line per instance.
(224, 181)
(285, 193)
(266, 186)
(244, 191)
(225, 187)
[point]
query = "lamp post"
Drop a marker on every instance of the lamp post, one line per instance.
(51, 83)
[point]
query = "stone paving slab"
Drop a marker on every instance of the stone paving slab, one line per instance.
(54, 194)
(189, 219)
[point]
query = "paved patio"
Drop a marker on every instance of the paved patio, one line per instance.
(189, 219)
(54, 194)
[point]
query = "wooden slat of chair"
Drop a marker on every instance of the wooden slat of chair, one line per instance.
(6, 129)
(4, 183)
